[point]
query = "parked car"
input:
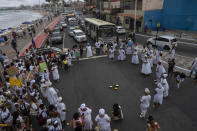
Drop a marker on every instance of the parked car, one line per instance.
(79, 36)
(56, 38)
(120, 30)
(64, 25)
(164, 42)
(71, 28)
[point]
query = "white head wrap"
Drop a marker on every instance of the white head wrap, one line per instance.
(49, 121)
(59, 99)
(159, 85)
(165, 75)
(83, 106)
(147, 90)
(101, 111)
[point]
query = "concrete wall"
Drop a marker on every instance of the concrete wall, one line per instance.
(180, 15)
(152, 4)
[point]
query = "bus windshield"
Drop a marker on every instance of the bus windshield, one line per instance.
(106, 32)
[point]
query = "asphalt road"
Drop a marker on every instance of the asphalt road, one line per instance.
(88, 81)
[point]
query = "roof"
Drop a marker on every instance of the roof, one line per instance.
(167, 37)
(98, 21)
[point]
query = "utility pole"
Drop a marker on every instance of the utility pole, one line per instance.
(100, 9)
(135, 16)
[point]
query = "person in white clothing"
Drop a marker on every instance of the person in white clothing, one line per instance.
(61, 108)
(111, 53)
(55, 72)
(159, 71)
(171, 53)
(145, 102)
(158, 97)
(135, 59)
(146, 67)
(51, 95)
(89, 50)
(165, 85)
(86, 116)
(103, 121)
(121, 56)
(97, 45)
(46, 75)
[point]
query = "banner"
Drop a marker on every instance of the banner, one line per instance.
(43, 66)
(16, 82)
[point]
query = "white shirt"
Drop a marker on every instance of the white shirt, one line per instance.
(103, 122)
(97, 44)
(145, 100)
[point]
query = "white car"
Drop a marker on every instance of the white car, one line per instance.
(120, 30)
(64, 25)
(71, 29)
(164, 42)
(79, 36)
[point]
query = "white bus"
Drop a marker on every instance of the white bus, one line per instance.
(100, 30)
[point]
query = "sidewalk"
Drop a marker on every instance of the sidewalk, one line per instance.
(24, 43)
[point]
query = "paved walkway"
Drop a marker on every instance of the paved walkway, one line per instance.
(24, 43)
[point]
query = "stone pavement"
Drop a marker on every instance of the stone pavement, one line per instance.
(23, 43)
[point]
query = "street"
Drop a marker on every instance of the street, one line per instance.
(88, 81)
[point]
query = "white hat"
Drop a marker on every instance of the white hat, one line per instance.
(43, 80)
(55, 122)
(101, 111)
(159, 85)
(59, 99)
(165, 75)
(49, 121)
(147, 90)
(33, 81)
(48, 83)
(83, 106)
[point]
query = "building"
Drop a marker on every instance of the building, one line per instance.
(181, 15)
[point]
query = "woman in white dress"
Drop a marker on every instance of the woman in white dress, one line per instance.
(135, 59)
(55, 72)
(111, 53)
(128, 50)
(103, 121)
(165, 85)
(89, 50)
(105, 48)
(146, 67)
(158, 97)
(159, 71)
(61, 108)
(86, 115)
(145, 102)
(121, 55)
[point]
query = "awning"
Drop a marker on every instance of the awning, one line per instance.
(131, 16)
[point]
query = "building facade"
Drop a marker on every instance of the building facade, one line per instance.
(181, 15)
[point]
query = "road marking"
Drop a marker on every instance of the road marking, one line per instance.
(94, 57)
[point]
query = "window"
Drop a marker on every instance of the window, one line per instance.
(162, 39)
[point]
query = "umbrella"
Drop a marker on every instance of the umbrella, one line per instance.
(27, 23)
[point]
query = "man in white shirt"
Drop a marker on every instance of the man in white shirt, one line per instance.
(97, 44)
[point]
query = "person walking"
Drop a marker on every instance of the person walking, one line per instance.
(89, 50)
(171, 53)
(14, 45)
(158, 97)
(152, 125)
(145, 102)
(81, 49)
(103, 121)
(33, 43)
(97, 44)
(111, 53)
(171, 65)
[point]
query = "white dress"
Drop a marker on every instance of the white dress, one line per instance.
(135, 59)
(128, 51)
(159, 71)
(166, 87)
(5, 115)
(55, 73)
(145, 103)
(146, 68)
(111, 53)
(52, 96)
(121, 55)
(171, 55)
(103, 123)
(158, 97)
(87, 118)
(60, 108)
(89, 51)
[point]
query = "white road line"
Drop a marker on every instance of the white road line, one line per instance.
(94, 57)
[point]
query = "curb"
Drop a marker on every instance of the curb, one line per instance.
(42, 36)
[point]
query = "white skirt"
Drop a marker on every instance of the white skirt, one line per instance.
(146, 69)
(158, 98)
(135, 59)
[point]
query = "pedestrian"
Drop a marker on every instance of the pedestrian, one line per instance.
(103, 121)
(97, 44)
(194, 68)
(77, 122)
(146, 67)
(14, 45)
(111, 53)
(33, 43)
(171, 65)
(171, 53)
(160, 70)
(86, 116)
(121, 56)
(158, 97)
(165, 85)
(152, 125)
(65, 64)
(81, 49)
(134, 58)
(89, 50)
(180, 77)
(145, 102)
(61, 108)
(158, 56)
(117, 112)
(55, 72)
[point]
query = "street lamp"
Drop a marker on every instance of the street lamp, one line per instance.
(158, 26)
(135, 20)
